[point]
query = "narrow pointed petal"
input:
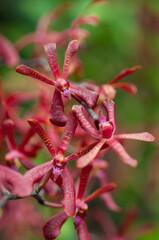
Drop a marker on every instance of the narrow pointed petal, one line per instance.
(42, 134)
(144, 136)
(82, 231)
(107, 188)
(84, 94)
(57, 115)
(86, 159)
(27, 71)
(36, 174)
(125, 73)
(8, 52)
(109, 202)
(68, 133)
(120, 151)
(92, 20)
(84, 123)
(110, 108)
(85, 172)
(26, 138)
(81, 152)
(68, 190)
(71, 50)
(50, 50)
(6, 129)
(107, 197)
(14, 182)
(26, 162)
(52, 228)
(127, 87)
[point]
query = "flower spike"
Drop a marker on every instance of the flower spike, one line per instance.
(71, 50)
(41, 132)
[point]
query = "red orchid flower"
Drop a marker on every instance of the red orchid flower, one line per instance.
(57, 115)
(108, 90)
(53, 227)
(59, 161)
(106, 135)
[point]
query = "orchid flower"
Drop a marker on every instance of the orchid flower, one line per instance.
(57, 115)
(106, 135)
(108, 90)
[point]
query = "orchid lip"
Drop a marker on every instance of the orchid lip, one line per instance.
(67, 93)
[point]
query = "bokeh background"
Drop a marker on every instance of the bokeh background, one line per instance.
(127, 35)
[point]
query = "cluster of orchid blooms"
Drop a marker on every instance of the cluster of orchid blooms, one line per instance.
(88, 131)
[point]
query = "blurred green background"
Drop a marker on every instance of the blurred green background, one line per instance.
(127, 35)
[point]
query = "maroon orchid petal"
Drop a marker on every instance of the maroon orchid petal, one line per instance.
(125, 73)
(92, 20)
(26, 138)
(68, 190)
(8, 52)
(110, 108)
(36, 174)
(27, 71)
(14, 182)
(81, 152)
(120, 151)
(85, 172)
(52, 228)
(107, 188)
(26, 162)
(66, 184)
(71, 50)
(127, 87)
(84, 94)
(50, 50)
(82, 231)
(86, 159)
(78, 111)
(57, 115)
(68, 133)
(144, 136)
(109, 202)
(106, 197)
(41, 132)
(6, 129)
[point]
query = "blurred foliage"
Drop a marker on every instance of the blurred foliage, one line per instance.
(119, 41)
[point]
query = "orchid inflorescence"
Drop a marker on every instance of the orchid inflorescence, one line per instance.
(86, 130)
